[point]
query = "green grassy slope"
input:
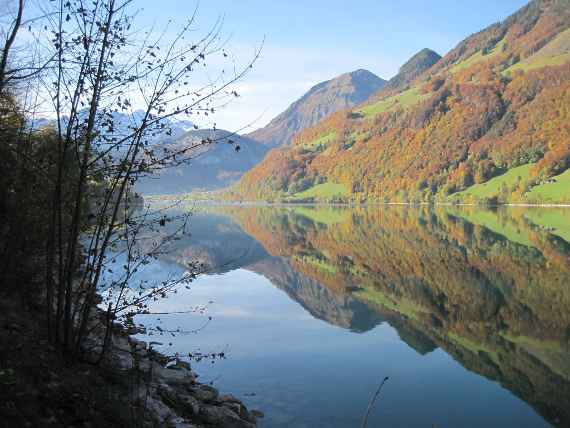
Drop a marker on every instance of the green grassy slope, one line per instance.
(322, 191)
(320, 142)
(556, 191)
(493, 187)
(477, 57)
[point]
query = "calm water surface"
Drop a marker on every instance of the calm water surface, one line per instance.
(467, 311)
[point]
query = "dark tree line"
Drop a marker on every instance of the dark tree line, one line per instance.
(67, 204)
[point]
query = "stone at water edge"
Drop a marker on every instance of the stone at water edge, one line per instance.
(203, 392)
(191, 404)
(174, 377)
(237, 408)
(180, 365)
(257, 414)
(228, 398)
(182, 404)
(222, 416)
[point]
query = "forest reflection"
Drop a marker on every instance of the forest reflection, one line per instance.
(489, 287)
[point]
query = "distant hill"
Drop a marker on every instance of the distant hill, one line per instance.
(213, 166)
(344, 91)
(219, 165)
(123, 123)
(488, 122)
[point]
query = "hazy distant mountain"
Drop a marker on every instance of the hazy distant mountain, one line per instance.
(213, 166)
(344, 91)
(123, 123)
(176, 127)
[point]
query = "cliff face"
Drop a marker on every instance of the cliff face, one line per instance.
(344, 91)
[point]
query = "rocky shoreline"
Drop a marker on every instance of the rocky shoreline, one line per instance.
(132, 385)
(167, 390)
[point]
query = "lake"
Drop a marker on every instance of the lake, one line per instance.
(466, 310)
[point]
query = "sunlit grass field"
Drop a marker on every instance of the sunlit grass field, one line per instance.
(322, 191)
(493, 187)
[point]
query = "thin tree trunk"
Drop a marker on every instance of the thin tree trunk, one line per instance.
(74, 235)
(8, 45)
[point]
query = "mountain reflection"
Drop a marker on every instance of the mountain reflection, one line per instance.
(490, 288)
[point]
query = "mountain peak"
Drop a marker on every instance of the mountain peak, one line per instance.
(366, 80)
(323, 99)
(362, 73)
(424, 58)
(412, 68)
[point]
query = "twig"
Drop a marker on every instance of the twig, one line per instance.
(371, 404)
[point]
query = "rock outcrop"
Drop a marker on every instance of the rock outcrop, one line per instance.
(170, 391)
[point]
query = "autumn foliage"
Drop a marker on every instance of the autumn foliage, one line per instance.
(475, 116)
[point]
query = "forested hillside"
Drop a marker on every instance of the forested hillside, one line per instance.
(218, 164)
(489, 122)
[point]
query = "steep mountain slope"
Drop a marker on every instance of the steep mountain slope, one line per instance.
(499, 100)
(213, 166)
(344, 91)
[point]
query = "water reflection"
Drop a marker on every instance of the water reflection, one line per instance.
(489, 288)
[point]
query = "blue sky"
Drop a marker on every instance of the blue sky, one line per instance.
(309, 41)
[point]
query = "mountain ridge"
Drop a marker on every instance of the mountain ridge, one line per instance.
(213, 165)
(497, 101)
(322, 99)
